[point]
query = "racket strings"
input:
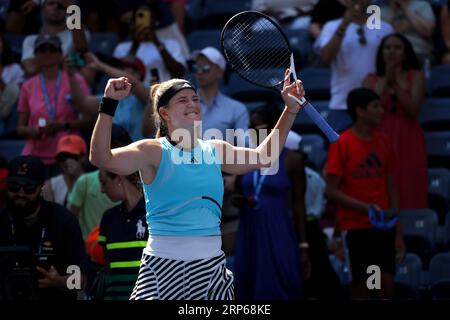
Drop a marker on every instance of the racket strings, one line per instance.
(256, 49)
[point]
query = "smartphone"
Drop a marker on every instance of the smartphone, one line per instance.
(78, 60)
(143, 18)
(154, 76)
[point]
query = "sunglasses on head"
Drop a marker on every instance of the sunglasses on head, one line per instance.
(361, 36)
(27, 188)
(203, 68)
(61, 157)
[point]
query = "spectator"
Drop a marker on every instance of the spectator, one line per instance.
(400, 83)
(360, 174)
(270, 246)
(53, 22)
(350, 46)
(219, 111)
(323, 282)
(445, 29)
(155, 49)
(289, 13)
(123, 232)
(70, 154)
(22, 16)
(100, 15)
(86, 201)
(178, 9)
(415, 20)
(130, 110)
(11, 77)
(324, 11)
(45, 110)
(167, 26)
(11, 71)
(48, 229)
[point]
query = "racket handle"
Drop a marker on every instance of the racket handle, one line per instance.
(318, 119)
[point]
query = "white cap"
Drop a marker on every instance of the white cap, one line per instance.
(213, 55)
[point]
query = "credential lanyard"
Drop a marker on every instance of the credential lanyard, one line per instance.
(258, 180)
(51, 108)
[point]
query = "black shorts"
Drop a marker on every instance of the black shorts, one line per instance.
(370, 247)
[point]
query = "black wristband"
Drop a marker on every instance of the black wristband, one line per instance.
(108, 106)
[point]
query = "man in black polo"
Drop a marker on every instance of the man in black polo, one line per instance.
(50, 231)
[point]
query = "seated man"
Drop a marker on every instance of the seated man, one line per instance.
(50, 231)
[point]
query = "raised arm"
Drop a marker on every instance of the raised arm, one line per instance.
(238, 160)
(125, 160)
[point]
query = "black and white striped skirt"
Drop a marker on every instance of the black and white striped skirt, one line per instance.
(167, 279)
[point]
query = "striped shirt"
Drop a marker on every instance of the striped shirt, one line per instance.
(124, 236)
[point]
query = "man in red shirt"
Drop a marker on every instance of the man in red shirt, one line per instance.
(359, 174)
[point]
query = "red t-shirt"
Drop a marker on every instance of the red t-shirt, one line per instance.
(363, 167)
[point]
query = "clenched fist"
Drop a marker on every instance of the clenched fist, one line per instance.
(117, 88)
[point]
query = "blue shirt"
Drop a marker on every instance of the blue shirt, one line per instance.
(185, 199)
(224, 113)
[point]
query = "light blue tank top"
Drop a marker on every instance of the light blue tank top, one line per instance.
(185, 197)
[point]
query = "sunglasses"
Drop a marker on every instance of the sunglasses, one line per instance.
(27, 188)
(361, 36)
(202, 68)
(61, 157)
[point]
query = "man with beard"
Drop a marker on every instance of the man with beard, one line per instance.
(49, 230)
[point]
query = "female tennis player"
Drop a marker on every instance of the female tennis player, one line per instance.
(183, 258)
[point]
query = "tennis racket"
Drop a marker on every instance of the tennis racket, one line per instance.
(256, 48)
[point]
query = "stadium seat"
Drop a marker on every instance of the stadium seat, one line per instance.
(313, 146)
(447, 230)
(214, 14)
(301, 45)
(407, 276)
(439, 81)
(9, 130)
(199, 39)
(15, 41)
(103, 43)
(419, 227)
(11, 148)
(439, 192)
(244, 91)
(4, 4)
(435, 115)
(316, 82)
(438, 149)
(440, 276)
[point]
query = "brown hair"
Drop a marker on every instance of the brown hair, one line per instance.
(156, 92)
(134, 179)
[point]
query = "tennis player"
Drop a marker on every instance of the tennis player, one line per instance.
(183, 258)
